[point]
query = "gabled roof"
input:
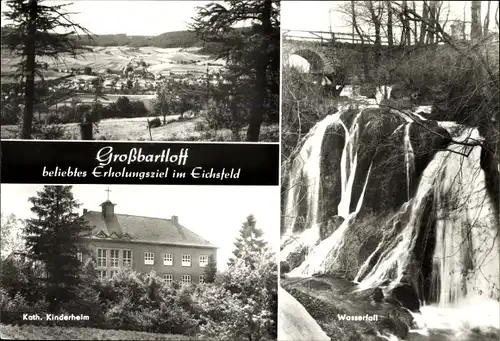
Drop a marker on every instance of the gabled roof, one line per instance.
(133, 228)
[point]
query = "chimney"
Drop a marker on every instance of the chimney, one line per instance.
(108, 210)
(85, 211)
(175, 220)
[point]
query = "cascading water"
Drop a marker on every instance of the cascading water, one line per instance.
(305, 175)
(409, 159)
(465, 259)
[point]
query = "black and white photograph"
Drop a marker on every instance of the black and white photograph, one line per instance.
(390, 171)
(126, 262)
(140, 70)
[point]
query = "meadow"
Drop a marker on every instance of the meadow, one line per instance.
(136, 129)
(31, 332)
(100, 59)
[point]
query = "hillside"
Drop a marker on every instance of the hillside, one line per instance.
(176, 39)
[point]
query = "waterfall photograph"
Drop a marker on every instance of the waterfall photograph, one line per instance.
(390, 195)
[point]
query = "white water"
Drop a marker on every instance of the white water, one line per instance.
(465, 233)
(409, 159)
(326, 252)
(462, 206)
(348, 164)
(306, 168)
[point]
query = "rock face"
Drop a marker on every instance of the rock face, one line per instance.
(406, 296)
(425, 190)
(294, 322)
(332, 225)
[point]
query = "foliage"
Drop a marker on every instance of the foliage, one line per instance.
(155, 122)
(54, 238)
(240, 304)
(210, 271)
(33, 34)
(252, 54)
(178, 97)
(12, 236)
(248, 242)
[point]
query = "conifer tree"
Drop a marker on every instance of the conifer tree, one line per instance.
(248, 242)
(34, 32)
(252, 54)
(210, 270)
(54, 238)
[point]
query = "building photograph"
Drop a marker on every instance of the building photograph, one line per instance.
(187, 257)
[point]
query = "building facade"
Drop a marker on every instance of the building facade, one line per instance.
(145, 244)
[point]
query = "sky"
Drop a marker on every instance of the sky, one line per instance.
(146, 18)
(317, 15)
(216, 213)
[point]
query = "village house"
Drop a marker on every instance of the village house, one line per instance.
(145, 244)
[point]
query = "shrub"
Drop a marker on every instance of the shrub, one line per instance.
(154, 123)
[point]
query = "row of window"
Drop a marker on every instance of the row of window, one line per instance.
(125, 257)
(169, 278)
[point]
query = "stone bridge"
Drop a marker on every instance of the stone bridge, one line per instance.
(328, 53)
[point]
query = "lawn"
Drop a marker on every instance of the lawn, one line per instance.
(30, 332)
(136, 129)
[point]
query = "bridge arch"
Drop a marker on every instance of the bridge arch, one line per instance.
(318, 61)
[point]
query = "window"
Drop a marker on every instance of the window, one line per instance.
(79, 255)
(102, 254)
(114, 258)
(186, 279)
(186, 260)
(149, 258)
(127, 257)
(168, 259)
(112, 273)
(101, 274)
(203, 260)
(202, 279)
(169, 278)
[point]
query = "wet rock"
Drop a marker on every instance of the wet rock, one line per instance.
(284, 268)
(367, 248)
(377, 295)
(405, 295)
(296, 258)
(328, 228)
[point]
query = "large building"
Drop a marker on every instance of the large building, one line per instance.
(146, 244)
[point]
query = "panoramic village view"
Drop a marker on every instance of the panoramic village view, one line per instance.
(213, 76)
(390, 178)
(88, 262)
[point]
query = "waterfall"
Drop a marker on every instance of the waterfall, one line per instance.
(305, 176)
(465, 256)
(348, 164)
(326, 252)
(409, 159)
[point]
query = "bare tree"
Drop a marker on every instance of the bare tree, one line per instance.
(486, 24)
(475, 28)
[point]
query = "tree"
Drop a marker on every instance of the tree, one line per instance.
(242, 304)
(35, 34)
(87, 70)
(12, 236)
(252, 53)
(54, 238)
(248, 242)
(475, 12)
(210, 270)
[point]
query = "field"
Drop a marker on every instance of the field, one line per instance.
(29, 332)
(136, 129)
(160, 61)
(148, 100)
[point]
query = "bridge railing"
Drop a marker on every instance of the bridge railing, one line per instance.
(324, 37)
